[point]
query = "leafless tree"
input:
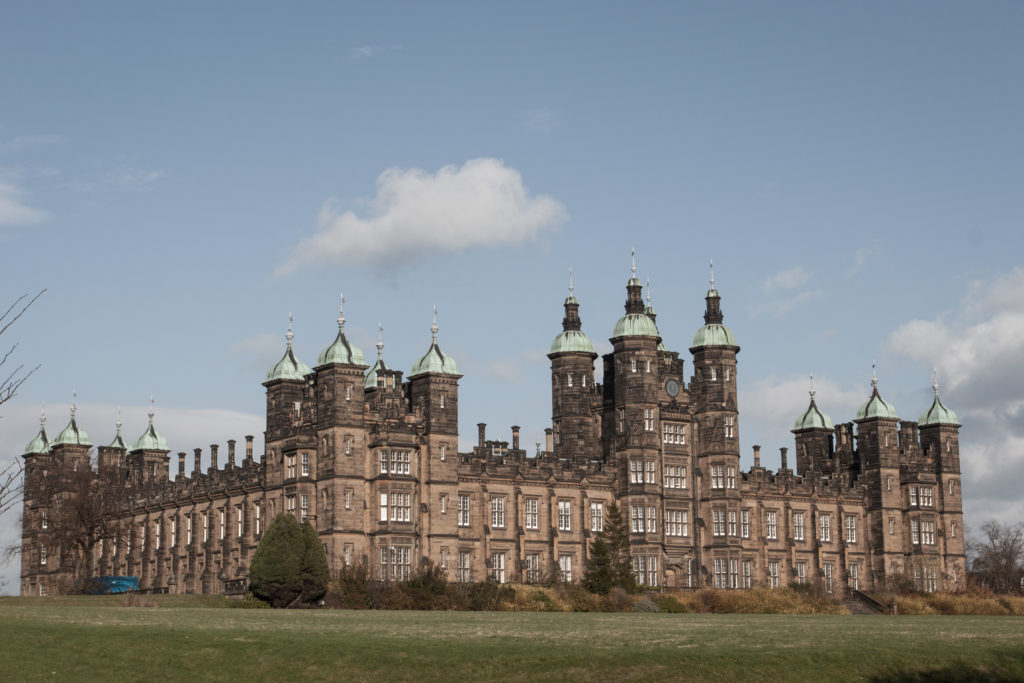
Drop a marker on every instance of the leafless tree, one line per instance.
(996, 556)
(11, 380)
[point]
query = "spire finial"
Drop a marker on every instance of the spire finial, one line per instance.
(42, 416)
(648, 292)
(711, 268)
(634, 261)
(118, 423)
(74, 403)
(935, 381)
(288, 335)
(812, 392)
(380, 340)
(434, 328)
(874, 376)
(151, 411)
(570, 282)
(341, 313)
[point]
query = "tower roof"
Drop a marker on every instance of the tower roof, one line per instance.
(40, 443)
(434, 360)
(118, 441)
(713, 332)
(876, 406)
(341, 350)
(72, 435)
(572, 338)
(289, 367)
(937, 413)
(813, 418)
(150, 439)
(370, 381)
(636, 322)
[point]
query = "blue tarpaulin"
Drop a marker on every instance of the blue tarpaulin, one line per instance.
(113, 584)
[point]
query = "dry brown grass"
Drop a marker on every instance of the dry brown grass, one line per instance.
(961, 603)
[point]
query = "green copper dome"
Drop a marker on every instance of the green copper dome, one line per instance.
(72, 434)
(370, 382)
(714, 334)
(937, 414)
(572, 341)
(150, 441)
(813, 419)
(289, 367)
(876, 407)
(341, 351)
(635, 325)
(434, 360)
(40, 444)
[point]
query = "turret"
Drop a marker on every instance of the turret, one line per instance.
(813, 431)
(940, 433)
(573, 392)
(284, 383)
(149, 458)
(339, 380)
(111, 458)
(434, 388)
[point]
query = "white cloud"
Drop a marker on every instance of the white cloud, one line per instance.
(780, 307)
(184, 430)
(541, 120)
(23, 141)
(481, 203)
(13, 209)
(978, 349)
(778, 401)
(361, 52)
(787, 279)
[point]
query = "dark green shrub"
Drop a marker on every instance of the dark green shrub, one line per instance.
(275, 573)
(314, 570)
(669, 605)
(645, 605)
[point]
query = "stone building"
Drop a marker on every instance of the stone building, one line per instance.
(369, 456)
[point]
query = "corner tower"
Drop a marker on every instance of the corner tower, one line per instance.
(573, 392)
(813, 431)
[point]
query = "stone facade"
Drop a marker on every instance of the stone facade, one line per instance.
(371, 460)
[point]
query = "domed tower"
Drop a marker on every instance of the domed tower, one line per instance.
(284, 383)
(940, 433)
(814, 449)
(631, 382)
(573, 392)
(148, 459)
(37, 511)
(70, 448)
(713, 388)
(111, 459)
(434, 389)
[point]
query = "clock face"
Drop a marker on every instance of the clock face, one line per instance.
(672, 387)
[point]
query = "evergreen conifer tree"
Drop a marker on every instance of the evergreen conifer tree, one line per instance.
(275, 574)
(315, 572)
(610, 564)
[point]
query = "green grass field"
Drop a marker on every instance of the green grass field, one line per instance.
(81, 638)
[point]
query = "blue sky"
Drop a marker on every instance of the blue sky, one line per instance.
(181, 177)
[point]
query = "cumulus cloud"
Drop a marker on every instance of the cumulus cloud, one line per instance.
(14, 210)
(978, 349)
(774, 403)
(481, 203)
(787, 279)
(184, 430)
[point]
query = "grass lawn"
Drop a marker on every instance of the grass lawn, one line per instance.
(83, 638)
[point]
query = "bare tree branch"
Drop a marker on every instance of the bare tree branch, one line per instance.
(12, 382)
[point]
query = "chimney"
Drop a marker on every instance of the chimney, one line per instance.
(782, 456)
(213, 456)
(181, 464)
(481, 430)
(231, 453)
(547, 439)
(199, 456)
(757, 456)
(515, 437)
(248, 446)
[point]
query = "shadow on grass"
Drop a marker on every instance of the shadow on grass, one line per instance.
(1005, 666)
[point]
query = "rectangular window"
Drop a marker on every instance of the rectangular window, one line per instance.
(42, 555)
(926, 497)
(913, 496)
(825, 523)
(348, 445)
(651, 472)
(648, 419)
(564, 515)
(730, 425)
(620, 421)
(930, 579)
(532, 568)
(652, 519)
(498, 515)
(383, 507)
(464, 572)
(915, 532)
(444, 452)
(221, 518)
(188, 529)
(348, 554)
(717, 477)
(800, 572)
(675, 477)
(826, 576)
(851, 529)
(773, 573)
(633, 364)
(305, 464)
(239, 521)
(732, 522)
(748, 573)
(734, 573)
(348, 499)
(771, 525)
(675, 523)
(401, 507)
(647, 363)
(854, 576)
(532, 513)
(304, 507)
(157, 528)
(636, 471)
(597, 516)
(718, 522)
(383, 462)
(174, 532)
(444, 558)
(401, 563)
(45, 519)
(400, 462)
(721, 573)
(673, 433)
(892, 526)
(730, 477)
(290, 466)
(640, 568)
(498, 566)
(637, 518)
(444, 503)
(565, 568)
(444, 400)
(463, 510)
(206, 525)
(928, 533)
